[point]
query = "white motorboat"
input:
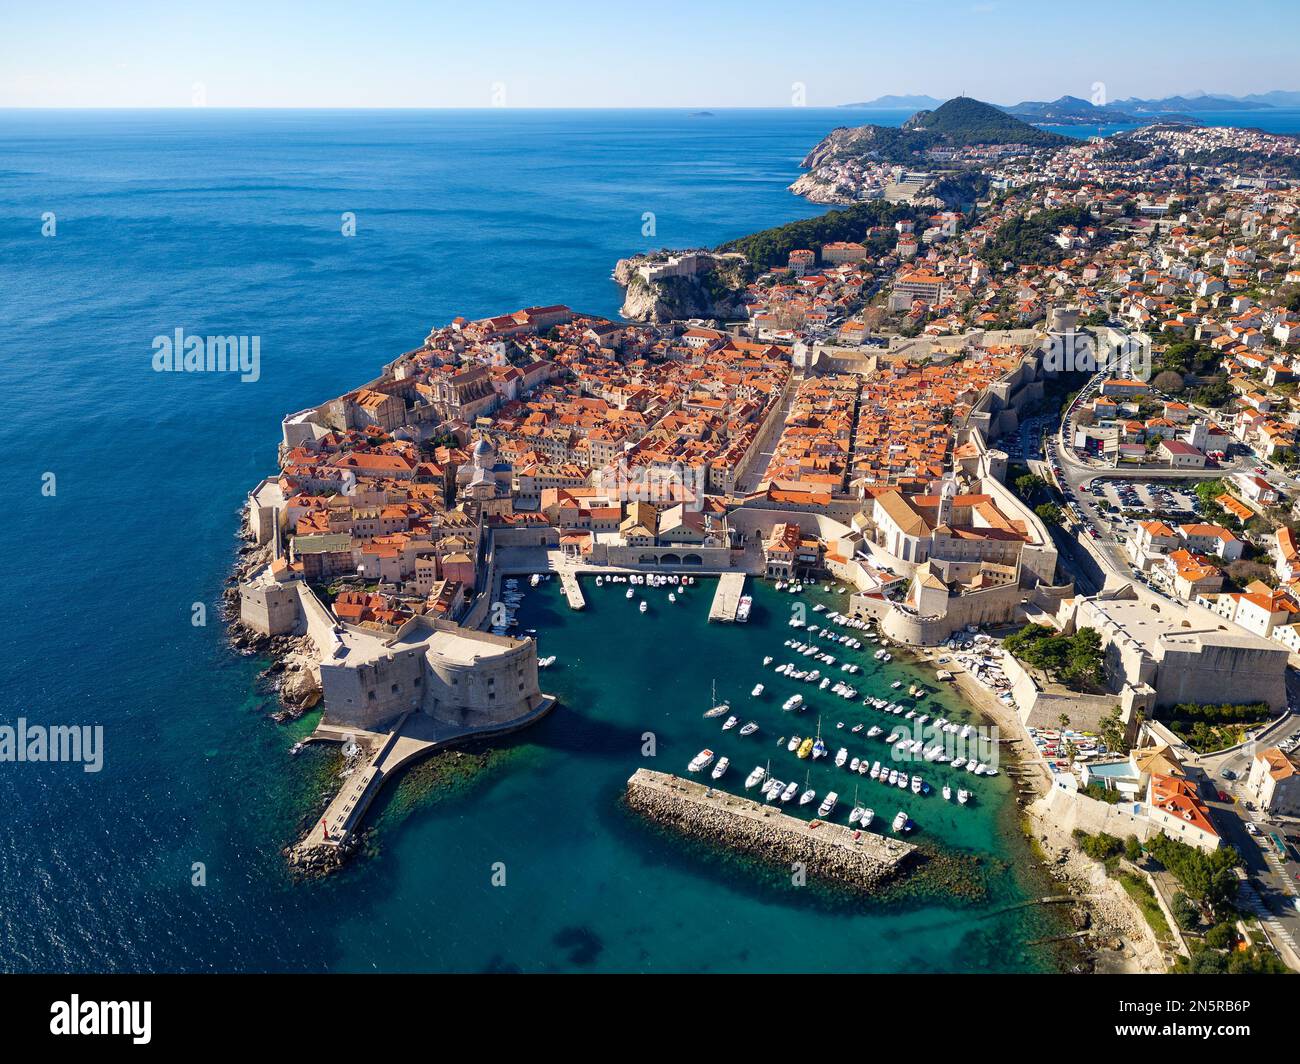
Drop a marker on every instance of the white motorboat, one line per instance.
(643, 607)
(841, 756)
(730, 723)
(791, 789)
(875, 770)
(767, 661)
(793, 702)
(672, 597)
(772, 789)
(721, 767)
(828, 804)
(892, 777)
(748, 728)
(901, 823)
(855, 815)
(809, 795)
(758, 690)
(963, 796)
(793, 744)
(756, 777)
(701, 761)
(630, 593)
(868, 815)
(947, 793)
(916, 784)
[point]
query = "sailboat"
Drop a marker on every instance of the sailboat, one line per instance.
(808, 793)
(856, 814)
(719, 708)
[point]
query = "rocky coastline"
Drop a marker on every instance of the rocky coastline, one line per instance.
(293, 675)
(714, 290)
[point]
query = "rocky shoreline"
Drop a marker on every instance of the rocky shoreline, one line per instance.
(826, 851)
(293, 675)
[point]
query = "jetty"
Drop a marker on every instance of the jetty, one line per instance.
(381, 755)
(572, 591)
(859, 859)
(726, 599)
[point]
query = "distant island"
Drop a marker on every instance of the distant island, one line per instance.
(897, 103)
(1073, 110)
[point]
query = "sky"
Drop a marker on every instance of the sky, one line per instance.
(576, 53)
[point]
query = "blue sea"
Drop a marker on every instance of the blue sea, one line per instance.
(124, 491)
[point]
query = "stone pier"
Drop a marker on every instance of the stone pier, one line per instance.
(860, 859)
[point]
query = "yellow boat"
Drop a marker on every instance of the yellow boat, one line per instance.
(805, 748)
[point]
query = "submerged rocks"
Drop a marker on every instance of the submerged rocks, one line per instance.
(861, 860)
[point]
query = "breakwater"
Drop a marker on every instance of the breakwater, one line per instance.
(862, 860)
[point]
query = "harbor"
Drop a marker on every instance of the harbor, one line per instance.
(854, 858)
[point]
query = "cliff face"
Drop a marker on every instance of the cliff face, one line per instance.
(819, 188)
(716, 289)
(841, 142)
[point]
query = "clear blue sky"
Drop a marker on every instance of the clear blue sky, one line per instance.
(566, 53)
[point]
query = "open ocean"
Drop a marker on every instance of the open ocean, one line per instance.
(227, 222)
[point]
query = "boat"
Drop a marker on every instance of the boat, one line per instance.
(819, 749)
(630, 593)
(767, 661)
(672, 597)
(868, 815)
(963, 796)
(896, 684)
(828, 804)
(719, 708)
(536, 579)
(892, 777)
(794, 743)
(805, 748)
(643, 607)
(297, 748)
(758, 690)
(841, 756)
(743, 607)
(856, 728)
(721, 767)
(855, 815)
(916, 784)
(875, 770)
(756, 777)
(874, 730)
(947, 793)
(853, 765)
(772, 789)
(730, 723)
(748, 728)
(791, 789)
(793, 702)
(701, 761)
(902, 781)
(901, 823)
(808, 793)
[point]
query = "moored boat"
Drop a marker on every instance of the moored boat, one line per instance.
(701, 761)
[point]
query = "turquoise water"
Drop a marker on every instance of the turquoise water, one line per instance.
(622, 896)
